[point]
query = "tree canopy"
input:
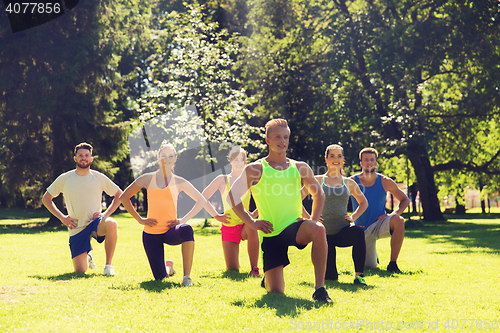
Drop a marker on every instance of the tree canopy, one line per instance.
(418, 80)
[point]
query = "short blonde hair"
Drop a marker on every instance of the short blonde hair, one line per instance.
(235, 151)
(368, 151)
(276, 122)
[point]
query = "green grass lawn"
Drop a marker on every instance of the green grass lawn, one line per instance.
(451, 279)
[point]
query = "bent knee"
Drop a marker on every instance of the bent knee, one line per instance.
(318, 228)
(187, 233)
(111, 222)
(398, 221)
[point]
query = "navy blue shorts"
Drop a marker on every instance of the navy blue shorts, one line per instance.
(80, 243)
(275, 249)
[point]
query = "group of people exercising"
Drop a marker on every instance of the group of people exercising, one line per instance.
(276, 183)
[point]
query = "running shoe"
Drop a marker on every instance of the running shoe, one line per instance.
(109, 270)
(321, 295)
(360, 280)
(186, 281)
(255, 272)
(170, 267)
(92, 264)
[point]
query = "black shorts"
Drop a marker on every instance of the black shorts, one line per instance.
(275, 249)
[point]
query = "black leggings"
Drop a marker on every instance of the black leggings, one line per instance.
(153, 245)
(348, 236)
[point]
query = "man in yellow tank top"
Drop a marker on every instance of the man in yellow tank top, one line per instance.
(276, 182)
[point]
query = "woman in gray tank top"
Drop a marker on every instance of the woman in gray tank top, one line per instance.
(340, 230)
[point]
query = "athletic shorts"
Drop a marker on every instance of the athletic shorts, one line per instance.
(377, 230)
(275, 249)
(80, 243)
(231, 234)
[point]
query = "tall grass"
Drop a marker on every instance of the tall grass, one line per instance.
(451, 274)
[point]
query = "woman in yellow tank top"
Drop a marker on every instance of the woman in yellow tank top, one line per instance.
(233, 230)
(162, 225)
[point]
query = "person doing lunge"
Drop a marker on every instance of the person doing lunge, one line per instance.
(161, 226)
(82, 189)
(340, 230)
(375, 222)
(275, 182)
(233, 229)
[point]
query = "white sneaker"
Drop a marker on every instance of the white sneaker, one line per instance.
(186, 281)
(92, 264)
(169, 264)
(109, 270)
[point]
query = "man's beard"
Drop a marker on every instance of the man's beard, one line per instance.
(85, 165)
(371, 170)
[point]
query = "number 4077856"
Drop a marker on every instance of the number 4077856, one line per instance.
(33, 8)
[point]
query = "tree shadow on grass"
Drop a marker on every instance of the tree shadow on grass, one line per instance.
(66, 276)
(284, 305)
(235, 275)
(465, 234)
(331, 284)
(231, 274)
(386, 274)
(157, 286)
(29, 228)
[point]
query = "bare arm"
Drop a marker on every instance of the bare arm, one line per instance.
(313, 187)
(129, 192)
(65, 219)
(250, 176)
(114, 204)
(392, 187)
(190, 190)
(218, 184)
(359, 196)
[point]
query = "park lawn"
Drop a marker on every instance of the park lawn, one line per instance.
(451, 273)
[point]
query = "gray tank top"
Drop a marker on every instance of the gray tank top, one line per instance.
(335, 208)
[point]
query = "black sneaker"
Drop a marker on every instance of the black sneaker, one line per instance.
(360, 280)
(321, 295)
(393, 268)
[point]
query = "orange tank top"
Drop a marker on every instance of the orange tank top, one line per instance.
(162, 205)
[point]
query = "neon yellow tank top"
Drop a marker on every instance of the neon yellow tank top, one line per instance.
(277, 196)
(235, 220)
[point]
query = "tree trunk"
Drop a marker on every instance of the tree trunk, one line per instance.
(459, 209)
(425, 179)
(57, 166)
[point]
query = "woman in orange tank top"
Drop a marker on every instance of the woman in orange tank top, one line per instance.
(161, 226)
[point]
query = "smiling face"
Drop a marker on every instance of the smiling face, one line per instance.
(167, 157)
(83, 158)
(368, 162)
(278, 138)
(239, 161)
(335, 158)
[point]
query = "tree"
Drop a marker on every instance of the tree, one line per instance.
(58, 84)
(365, 69)
(192, 67)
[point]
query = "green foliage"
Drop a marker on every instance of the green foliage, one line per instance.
(192, 67)
(404, 77)
(60, 83)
